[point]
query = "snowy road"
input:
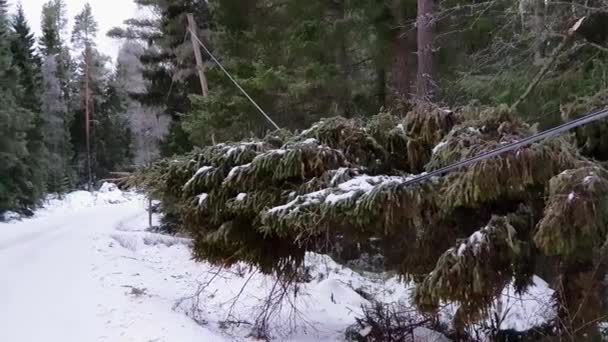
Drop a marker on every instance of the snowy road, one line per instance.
(54, 288)
(86, 270)
(49, 290)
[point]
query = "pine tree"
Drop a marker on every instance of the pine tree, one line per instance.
(83, 38)
(101, 128)
(305, 60)
(85, 29)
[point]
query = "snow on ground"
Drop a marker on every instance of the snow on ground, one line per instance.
(85, 269)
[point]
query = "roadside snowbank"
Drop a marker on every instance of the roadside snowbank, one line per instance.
(107, 194)
(229, 302)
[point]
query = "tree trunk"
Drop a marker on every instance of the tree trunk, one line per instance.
(149, 212)
(403, 48)
(381, 86)
(87, 111)
(538, 29)
(425, 84)
(342, 59)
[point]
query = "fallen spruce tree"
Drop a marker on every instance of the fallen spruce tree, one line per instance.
(339, 188)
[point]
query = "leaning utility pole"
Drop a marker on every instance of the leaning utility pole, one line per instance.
(197, 54)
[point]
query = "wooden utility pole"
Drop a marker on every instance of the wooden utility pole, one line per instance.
(87, 111)
(197, 54)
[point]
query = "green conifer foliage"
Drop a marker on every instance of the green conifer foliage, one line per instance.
(27, 63)
(341, 184)
(21, 186)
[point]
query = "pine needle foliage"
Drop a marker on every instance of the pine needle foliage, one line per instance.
(575, 222)
(510, 176)
(590, 138)
(474, 271)
(342, 185)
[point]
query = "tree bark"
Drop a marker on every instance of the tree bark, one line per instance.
(87, 111)
(343, 99)
(538, 28)
(403, 47)
(381, 86)
(425, 83)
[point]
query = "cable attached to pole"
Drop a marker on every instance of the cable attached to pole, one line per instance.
(233, 80)
(589, 118)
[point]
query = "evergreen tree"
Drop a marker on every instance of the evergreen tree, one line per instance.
(168, 61)
(53, 25)
(85, 29)
(57, 137)
(57, 91)
(28, 66)
(321, 69)
(335, 58)
(112, 134)
(100, 131)
(342, 187)
(148, 124)
(25, 58)
(306, 60)
(89, 63)
(425, 80)
(16, 189)
(491, 54)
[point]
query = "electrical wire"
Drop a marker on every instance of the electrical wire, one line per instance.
(589, 118)
(233, 80)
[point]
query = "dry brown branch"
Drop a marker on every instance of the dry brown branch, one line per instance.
(194, 311)
(541, 73)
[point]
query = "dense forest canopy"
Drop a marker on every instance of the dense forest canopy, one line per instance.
(368, 94)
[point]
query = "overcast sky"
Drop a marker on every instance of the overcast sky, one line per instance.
(108, 13)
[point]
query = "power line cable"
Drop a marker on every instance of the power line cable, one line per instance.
(233, 80)
(589, 118)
